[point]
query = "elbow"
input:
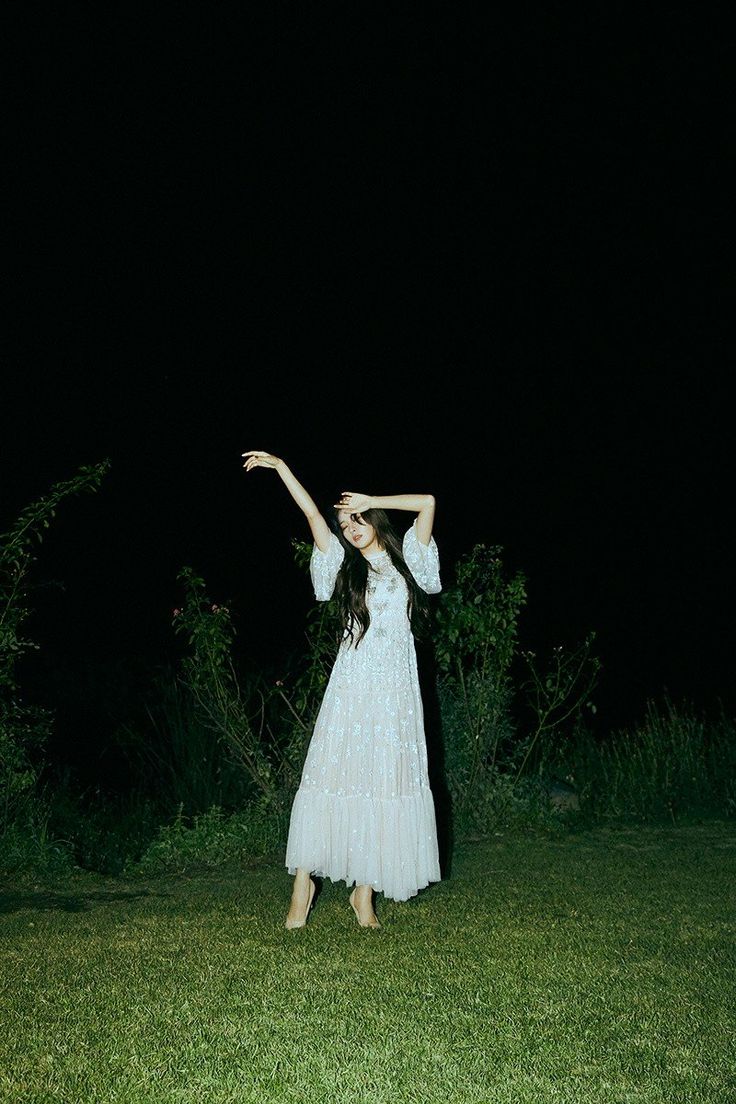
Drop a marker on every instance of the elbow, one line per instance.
(432, 586)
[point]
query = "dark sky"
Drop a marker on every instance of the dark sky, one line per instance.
(408, 253)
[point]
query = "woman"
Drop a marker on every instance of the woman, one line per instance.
(364, 811)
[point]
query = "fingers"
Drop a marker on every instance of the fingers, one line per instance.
(257, 458)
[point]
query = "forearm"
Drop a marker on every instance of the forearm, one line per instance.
(303, 499)
(415, 502)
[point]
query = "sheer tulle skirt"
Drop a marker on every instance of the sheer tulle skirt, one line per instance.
(389, 843)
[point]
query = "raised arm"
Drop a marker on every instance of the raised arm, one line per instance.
(305, 502)
(422, 505)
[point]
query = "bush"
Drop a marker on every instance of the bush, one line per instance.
(177, 758)
(212, 838)
(675, 765)
(222, 706)
(28, 848)
(24, 728)
(516, 805)
(495, 766)
(259, 726)
(102, 831)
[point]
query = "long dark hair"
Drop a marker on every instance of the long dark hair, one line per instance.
(352, 578)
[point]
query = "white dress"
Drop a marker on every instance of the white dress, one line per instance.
(364, 811)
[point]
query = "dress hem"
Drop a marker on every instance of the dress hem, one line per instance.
(352, 881)
(389, 843)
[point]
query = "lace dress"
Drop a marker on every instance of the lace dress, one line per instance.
(364, 811)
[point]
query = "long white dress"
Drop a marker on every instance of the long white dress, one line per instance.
(364, 811)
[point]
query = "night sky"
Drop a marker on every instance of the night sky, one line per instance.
(407, 253)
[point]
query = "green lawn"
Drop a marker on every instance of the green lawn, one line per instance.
(597, 967)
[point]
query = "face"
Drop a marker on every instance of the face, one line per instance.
(355, 530)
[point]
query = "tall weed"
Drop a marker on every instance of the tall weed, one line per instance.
(178, 759)
(675, 764)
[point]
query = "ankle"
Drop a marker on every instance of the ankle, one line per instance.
(363, 896)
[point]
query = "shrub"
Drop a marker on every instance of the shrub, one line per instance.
(102, 831)
(265, 726)
(23, 728)
(556, 696)
(487, 752)
(213, 838)
(29, 847)
(676, 764)
(209, 675)
(477, 621)
(179, 760)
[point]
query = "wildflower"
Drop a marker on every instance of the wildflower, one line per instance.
(175, 613)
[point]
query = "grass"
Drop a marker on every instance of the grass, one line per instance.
(595, 968)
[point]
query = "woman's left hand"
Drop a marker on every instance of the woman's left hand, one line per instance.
(353, 501)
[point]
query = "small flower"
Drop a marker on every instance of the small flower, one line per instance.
(175, 613)
(215, 609)
(279, 682)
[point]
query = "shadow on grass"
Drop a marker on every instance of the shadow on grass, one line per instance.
(62, 902)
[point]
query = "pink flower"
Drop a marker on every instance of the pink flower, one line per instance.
(175, 613)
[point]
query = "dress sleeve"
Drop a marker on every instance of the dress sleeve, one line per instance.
(423, 560)
(324, 566)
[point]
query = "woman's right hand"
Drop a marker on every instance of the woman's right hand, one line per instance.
(258, 459)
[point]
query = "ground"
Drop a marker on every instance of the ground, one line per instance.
(591, 968)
